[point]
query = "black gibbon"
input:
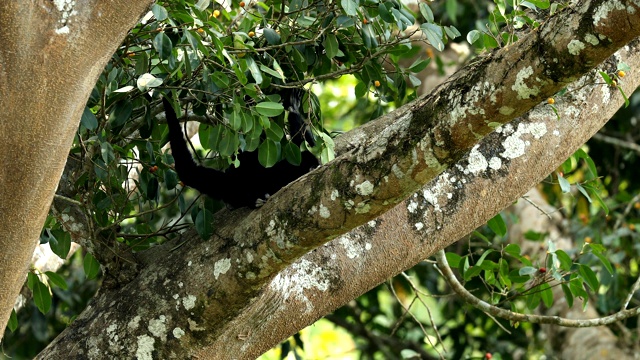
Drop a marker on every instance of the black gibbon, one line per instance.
(250, 184)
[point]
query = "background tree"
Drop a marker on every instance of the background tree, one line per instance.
(233, 293)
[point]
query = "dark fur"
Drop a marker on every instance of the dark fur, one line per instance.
(251, 183)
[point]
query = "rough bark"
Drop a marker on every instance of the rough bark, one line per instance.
(227, 297)
(51, 56)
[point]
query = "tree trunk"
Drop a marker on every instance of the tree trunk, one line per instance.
(51, 56)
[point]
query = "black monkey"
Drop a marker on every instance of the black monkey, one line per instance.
(251, 183)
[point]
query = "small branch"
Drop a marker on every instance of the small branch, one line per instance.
(635, 288)
(68, 200)
(532, 203)
(617, 142)
(469, 298)
(626, 212)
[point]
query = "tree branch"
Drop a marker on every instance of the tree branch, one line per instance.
(469, 298)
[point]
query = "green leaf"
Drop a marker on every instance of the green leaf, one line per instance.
(518, 279)
(295, 5)
(274, 73)
(410, 19)
(60, 243)
(292, 153)
(452, 10)
(426, 12)
(273, 38)
(489, 41)
(91, 266)
(203, 4)
(527, 270)
(331, 47)
(473, 36)
(401, 20)
(589, 276)
(605, 262)
(483, 257)
(564, 259)
(596, 195)
(269, 108)
(170, 179)
(89, 120)
(546, 294)
(502, 6)
(327, 153)
(254, 69)
(350, 7)
(107, 152)
(41, 296)
(159, 12)
(513, 250)
(533, 300)
(419, 65)
(472, 272)
(581, 154)
(534, 235)
(567, 294)
(275, 132)
(268, 153)
(576, 287)
(32, 279)
(235, 119)
(385, 15)
(626, 99)
(56, 280)
(584, 192)
(541, 4)
(503, 272)
(606, 77)
(490, 278)
(434, 35)
(497, 225)
(453, 259)
(361, 89)
(229, 142)
(565, 186)
(481, 236)
(409, 354)
(204, 223)
(369, 37)
(451, 32)
(13, 321)
(163, 45)
(120, 114)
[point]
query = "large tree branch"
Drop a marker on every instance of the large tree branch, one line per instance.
(202, 295)
(416, 143)
(448, 208)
